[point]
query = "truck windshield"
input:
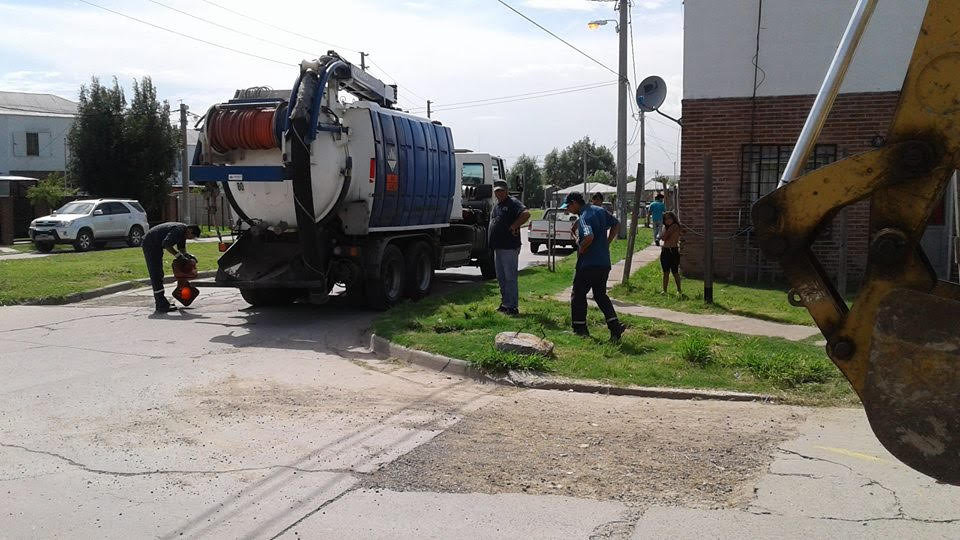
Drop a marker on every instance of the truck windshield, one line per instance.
(472, 174)
(75, 208)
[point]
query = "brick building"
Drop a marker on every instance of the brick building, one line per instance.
(748, 115)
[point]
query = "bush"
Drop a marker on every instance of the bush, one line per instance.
(787, 369)
(49, 192)
(695, 349)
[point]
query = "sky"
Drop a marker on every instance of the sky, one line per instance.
(447, 51)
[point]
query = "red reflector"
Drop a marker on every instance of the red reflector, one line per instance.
(185, 293)
(393, 182)
(223, 247)
(373, 169)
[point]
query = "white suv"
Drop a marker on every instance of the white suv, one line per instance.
(90, 224)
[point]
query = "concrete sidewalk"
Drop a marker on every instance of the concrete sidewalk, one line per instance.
(727, 323)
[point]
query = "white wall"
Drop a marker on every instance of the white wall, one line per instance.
(53, 132)
(797, 41)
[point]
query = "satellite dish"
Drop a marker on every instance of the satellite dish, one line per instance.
(651, 93)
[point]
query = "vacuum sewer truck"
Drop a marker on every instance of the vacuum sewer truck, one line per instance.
(346, 191)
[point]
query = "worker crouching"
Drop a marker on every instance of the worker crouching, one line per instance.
(173, 238)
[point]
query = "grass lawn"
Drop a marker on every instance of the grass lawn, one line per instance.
(67, 273)
(652, 353)
(760, 302)
(536, 213)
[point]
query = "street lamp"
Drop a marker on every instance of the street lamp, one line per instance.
(623, 7)
(593, 25)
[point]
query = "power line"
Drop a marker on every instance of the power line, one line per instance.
(408, 89)
(578, 87)
(181, 34)
(519, 99)
(328, 44)
(286, 30)
(565, 42)
(234, 30)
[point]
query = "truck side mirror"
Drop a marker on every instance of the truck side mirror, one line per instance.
(484, 191)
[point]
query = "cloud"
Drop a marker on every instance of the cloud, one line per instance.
(563, 5)
(477, 51)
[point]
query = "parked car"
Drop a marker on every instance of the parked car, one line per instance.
(563, 232)
(89, 224)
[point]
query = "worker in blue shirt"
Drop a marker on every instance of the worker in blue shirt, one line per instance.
(593, 265)
(656, 209)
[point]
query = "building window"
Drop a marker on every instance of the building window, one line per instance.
(763, 165)
(33, 144)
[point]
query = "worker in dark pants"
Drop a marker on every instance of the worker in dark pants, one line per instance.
(593, 265)
(173, 238)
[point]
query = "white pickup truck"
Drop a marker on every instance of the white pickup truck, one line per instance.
(539, 230)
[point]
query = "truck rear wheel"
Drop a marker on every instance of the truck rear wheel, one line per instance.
(419, 270)
(387, 289)
(270, 297)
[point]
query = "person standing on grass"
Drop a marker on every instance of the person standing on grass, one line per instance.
(507, 217)
(593, 265)
(670, 252)
(172, 237)
(656, 210)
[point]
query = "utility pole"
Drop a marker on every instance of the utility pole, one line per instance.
(708, 229)
(428, 108)
(583, 161)
(624, 7)
(184, 168)
(637, 194)
(363, 60)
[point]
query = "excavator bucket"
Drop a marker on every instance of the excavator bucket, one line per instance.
(899, 343)
(912, 395)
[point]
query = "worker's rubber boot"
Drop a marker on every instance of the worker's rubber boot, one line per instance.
(581, 330)
(164, 307)
(617, 329)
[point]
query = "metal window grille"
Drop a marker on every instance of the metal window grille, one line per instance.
(33, 144)
(763, 165)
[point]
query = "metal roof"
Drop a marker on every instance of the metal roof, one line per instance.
(26, 104)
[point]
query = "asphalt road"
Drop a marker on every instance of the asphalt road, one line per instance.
(224, 421)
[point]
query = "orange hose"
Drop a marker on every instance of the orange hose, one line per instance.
(250, 129)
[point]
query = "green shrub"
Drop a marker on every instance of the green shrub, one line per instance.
(787, 369)
(695, 349)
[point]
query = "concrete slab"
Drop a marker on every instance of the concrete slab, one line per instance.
(247, 502)
(672, 523)
(220, 421)
(389, 514)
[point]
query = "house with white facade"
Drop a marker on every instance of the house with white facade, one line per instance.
(33, 130)
(33, 144)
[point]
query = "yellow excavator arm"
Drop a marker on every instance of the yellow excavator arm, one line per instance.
(899, 343)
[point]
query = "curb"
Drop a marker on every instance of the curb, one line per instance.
(443, 364)
(104, 291)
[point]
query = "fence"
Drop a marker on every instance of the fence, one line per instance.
(205, 210)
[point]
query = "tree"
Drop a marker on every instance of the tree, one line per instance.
(565, 168)
(526, 167)
(152, 146)
(601, 177)
(116, 151)
(97, 161)
(49, 192)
